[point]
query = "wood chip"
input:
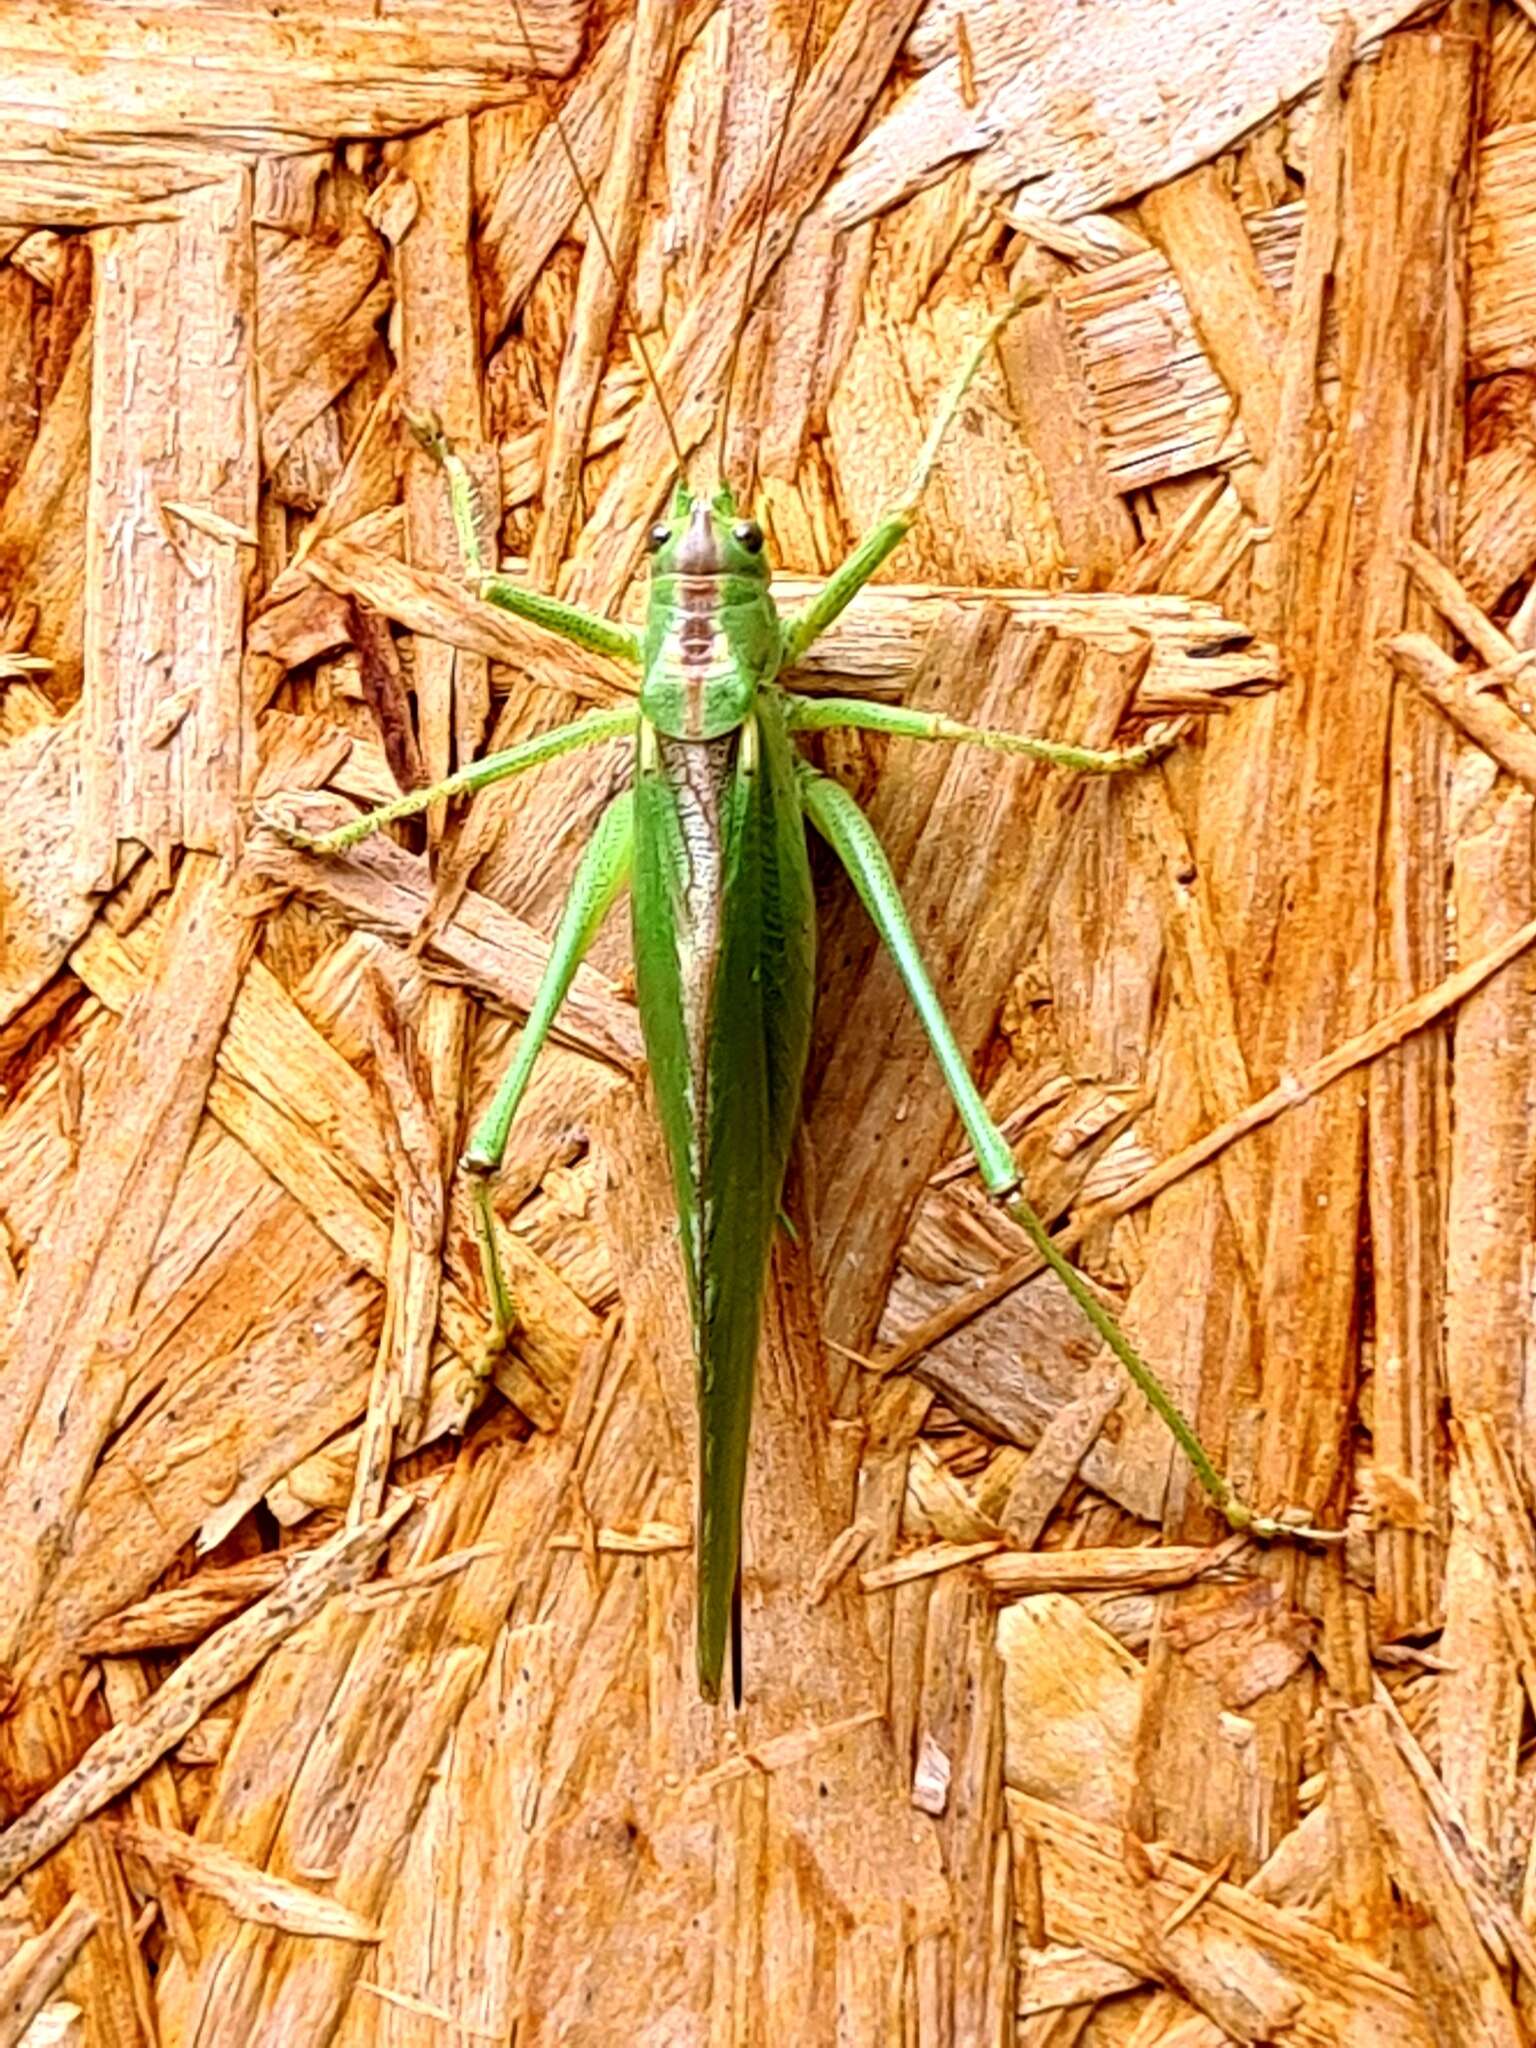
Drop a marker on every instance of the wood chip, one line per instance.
(31, 1976)
(1253, 1969)
(115, 1760)
(250, 1894)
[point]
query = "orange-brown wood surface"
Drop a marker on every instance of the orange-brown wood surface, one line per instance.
(347, 1694)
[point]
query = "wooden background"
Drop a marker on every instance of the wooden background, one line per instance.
(328, 1719)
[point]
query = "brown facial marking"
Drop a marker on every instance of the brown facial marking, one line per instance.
(697, 565)
(697, 553)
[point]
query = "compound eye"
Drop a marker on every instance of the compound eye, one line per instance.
(658, 537)
(748, 534)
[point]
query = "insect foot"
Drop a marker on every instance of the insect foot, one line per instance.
(428, 429)
(277, 818)
(1290, 1525)
(336, 840)
(474, 1378)
(503, 1306)
(1163, 737)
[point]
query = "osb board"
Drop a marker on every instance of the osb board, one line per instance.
(340, 1708)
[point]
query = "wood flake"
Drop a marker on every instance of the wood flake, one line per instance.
(116, 1759)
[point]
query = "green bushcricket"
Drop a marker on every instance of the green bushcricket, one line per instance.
(710, 839)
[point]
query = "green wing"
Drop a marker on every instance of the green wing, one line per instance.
(725, 971)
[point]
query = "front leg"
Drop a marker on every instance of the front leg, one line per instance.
(604, 636)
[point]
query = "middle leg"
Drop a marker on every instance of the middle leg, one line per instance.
(831, 714)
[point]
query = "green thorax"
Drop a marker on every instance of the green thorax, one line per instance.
(712, 635)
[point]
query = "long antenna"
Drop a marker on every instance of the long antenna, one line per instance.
(801, 56)
(603, 243)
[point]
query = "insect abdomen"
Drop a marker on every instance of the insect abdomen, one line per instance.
(724, 943)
